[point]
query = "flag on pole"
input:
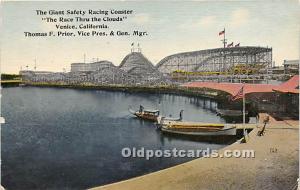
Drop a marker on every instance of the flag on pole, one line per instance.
(222, 32)
(230, 45)
(239, 94)
(237, 45)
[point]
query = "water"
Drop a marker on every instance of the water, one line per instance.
(72, 139)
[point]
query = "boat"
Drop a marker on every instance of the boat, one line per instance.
(197, 128)
(230, 113)
(163, 118)
(146, 114)
(232, 116)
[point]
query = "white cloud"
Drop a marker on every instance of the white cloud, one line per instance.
(141, 18)
(239, 17)
(207, 21)
(204, 22)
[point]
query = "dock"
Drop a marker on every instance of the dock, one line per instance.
(10, 81)
(5, 83)
(247, 126)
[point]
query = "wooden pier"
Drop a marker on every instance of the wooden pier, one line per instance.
(247, 126)
(5, 83)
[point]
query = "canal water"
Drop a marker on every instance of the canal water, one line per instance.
(72, 139)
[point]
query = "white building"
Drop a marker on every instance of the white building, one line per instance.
(291, 66)
(42, 76)
(89, 67)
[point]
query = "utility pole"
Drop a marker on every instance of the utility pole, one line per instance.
(245, 133)
(224, 46)
(244, 107)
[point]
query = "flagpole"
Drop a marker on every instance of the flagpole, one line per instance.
(244, 109)
(224, 39)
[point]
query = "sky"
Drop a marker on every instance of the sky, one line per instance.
(172, 27)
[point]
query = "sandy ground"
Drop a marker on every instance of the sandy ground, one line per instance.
(275, 166)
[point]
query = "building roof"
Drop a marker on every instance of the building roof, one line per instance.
(77, 63)
(101, 62)
(291, 86)
(233, 88)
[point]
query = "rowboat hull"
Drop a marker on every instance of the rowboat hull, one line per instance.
(221, 132)
(148, 117)
(198, 129)
(144, 116)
